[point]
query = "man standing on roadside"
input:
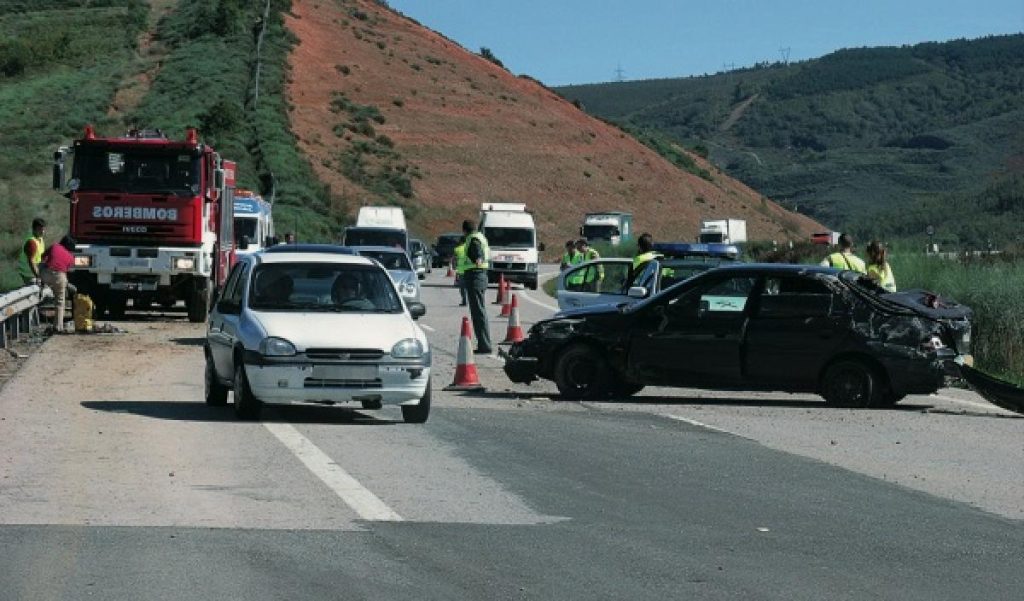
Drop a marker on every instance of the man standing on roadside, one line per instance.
(474, 280)
(845, 259)
(32, 253)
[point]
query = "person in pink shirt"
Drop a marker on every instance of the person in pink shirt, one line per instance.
(53, 271)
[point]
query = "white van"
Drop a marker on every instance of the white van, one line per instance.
(378, 226)
(393, 217)
(512, 237)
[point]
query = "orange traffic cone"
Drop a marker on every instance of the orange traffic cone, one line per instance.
(451, 272)
(506, 308)
(515, 331)
(466, 377)
(502, 286)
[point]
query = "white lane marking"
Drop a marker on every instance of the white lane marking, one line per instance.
(426, 327)
(361, 500)
(694, 422)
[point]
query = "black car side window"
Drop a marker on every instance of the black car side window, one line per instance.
(794, 296)
(722, 298)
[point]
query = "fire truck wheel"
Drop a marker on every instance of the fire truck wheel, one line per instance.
(246, 405)
(198, 304)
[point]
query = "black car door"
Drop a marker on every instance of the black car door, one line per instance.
(695, 336)
(795, 327)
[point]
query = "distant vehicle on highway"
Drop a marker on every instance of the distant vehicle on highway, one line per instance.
(419, 252)
(444, 249)
(397, 262)
(792, 328)
(611, 281)
(316, 328)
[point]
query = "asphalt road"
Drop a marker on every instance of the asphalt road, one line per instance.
(117, 482)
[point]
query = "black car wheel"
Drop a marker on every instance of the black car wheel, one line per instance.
(246, 405)
(417, 414)
(580, 373)
(216, 393)
(850, 384)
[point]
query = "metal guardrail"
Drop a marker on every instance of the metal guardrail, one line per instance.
(19, 312)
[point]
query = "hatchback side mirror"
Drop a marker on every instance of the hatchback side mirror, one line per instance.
(637, 292)
(417, 310)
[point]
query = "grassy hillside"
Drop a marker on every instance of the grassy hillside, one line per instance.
(856, 138)
(62, 63)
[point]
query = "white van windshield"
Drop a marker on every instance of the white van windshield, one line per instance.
(509, 237)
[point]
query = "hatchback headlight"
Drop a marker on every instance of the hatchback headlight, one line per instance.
(83, 260)
(276, 347)
(410, 348)
(407, 289)
(184, 263)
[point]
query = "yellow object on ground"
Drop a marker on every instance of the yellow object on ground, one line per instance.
(82, 308)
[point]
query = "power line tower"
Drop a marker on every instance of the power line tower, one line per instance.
(620, 75)
(784, 53)
(728, 66)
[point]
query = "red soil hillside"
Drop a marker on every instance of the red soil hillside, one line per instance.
(469, 131)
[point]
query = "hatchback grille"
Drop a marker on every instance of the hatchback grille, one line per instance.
(344, 354)
(340, 383)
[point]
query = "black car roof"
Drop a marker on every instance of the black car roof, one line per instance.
(768, 268)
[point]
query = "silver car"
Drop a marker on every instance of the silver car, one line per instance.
(316, 328)
(398, 264)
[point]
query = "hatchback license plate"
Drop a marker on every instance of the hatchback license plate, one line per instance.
(345, 372)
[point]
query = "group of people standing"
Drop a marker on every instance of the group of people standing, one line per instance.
(48, 266)
(877, 266)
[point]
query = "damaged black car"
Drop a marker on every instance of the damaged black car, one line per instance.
(792, 328)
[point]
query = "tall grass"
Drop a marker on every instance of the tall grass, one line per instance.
(992, 287)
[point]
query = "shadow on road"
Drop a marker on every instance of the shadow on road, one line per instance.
(185, 341)
(641, 399)
(201, 412)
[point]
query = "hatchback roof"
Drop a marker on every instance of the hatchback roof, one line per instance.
(311, 248)
(313, 257)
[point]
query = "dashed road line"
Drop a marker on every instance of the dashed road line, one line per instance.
(354, 494)
(694, 422)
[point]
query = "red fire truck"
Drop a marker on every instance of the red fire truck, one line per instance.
(152, 218)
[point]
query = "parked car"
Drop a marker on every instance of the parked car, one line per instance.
(444, 249)
(612, 281)
(793, 328)
(316, 328)
(419, 252)
(397, 262)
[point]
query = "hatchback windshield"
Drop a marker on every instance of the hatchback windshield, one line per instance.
(325, 287)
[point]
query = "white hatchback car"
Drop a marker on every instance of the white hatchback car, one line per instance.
(316, 328)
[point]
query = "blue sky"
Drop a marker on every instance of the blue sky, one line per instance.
(585, 41)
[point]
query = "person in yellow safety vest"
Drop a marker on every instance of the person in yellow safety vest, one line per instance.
(567, 256)
(32, 251)
(845, 259)
(475, 281)
(461, 264)
(878, 266)
(575, 281)
(592, 278)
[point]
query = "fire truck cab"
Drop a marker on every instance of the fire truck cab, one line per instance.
(152, 219)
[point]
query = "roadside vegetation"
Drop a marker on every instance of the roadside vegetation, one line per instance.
(60, 63)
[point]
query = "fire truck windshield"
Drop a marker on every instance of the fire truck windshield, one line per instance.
(136, 171)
